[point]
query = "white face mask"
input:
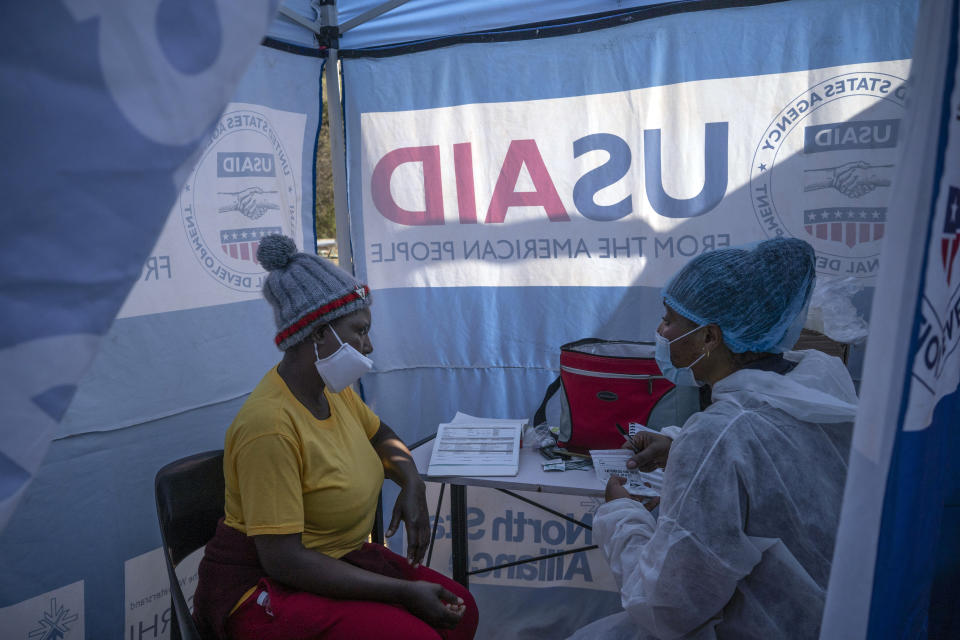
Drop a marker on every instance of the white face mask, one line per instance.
(343, 367)
(680, 376)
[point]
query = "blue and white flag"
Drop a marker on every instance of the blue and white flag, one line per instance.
(896, 570)
(105, 105)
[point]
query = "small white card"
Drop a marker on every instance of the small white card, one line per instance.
(613, 462)
(634, 428)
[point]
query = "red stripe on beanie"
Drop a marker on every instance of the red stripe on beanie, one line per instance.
(358, 294)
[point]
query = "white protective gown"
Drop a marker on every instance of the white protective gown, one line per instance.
(748, 516)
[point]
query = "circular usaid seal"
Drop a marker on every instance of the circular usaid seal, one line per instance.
(242, 189)
(823, 169)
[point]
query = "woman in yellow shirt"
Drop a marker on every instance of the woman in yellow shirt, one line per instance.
(304, 462)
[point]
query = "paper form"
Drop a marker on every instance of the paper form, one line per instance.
(470, 446)
(613, 462)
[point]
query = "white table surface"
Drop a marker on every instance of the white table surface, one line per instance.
(531, 476)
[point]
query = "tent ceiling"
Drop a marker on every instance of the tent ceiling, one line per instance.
(426, 19)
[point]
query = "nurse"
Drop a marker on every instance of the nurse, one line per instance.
(753, 484)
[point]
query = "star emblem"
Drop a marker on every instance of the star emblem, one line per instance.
(55, 622)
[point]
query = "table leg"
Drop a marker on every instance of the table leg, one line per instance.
(458, 525)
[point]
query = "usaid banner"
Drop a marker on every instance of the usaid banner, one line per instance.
(197, 304)
(246, 184)
(623, 187)
(542, 191)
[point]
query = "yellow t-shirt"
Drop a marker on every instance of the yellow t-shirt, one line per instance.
(287, 472)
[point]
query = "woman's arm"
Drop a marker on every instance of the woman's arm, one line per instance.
(286, 560)
(398, 464)
(411, 505)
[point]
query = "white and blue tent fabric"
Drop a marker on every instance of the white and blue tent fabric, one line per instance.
(516, 175)
(148, 146)
(121, 92)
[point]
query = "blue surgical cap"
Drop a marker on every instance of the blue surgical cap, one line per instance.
(757, 294)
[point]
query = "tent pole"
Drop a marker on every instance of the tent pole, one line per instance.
(338, 160)
(296, 18)
(371, 14)
(338, 149)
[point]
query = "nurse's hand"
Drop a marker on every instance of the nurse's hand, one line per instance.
(651, 449)
(615, 488)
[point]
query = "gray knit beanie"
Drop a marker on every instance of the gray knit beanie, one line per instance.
(305, 290)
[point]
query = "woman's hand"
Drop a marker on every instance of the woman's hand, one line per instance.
(411, 509)
(651, 449)
(433, 604)
(411, 505)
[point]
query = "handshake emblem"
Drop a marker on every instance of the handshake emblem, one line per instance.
(852, 179)
(251, 202)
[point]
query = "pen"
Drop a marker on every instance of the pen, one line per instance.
(574, 454)
(626, 436)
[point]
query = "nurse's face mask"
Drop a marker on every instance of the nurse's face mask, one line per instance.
(343, 367)
(680, 376)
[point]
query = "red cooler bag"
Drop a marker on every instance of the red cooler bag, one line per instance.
(606, 382)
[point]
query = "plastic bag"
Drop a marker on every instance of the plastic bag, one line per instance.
(832, 312)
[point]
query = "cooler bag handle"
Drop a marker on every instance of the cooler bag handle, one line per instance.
(541, 414)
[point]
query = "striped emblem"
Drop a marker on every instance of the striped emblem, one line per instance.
(847, 225)
(950, 240)
(242, 244)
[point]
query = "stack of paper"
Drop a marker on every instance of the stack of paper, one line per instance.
(470, 446)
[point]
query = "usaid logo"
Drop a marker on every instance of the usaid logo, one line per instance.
(839, 136)
(824, 166)
(244, 165)
(241, 190)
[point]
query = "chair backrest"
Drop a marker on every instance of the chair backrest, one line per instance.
(189, 495)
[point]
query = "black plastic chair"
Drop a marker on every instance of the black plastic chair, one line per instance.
(189, 496)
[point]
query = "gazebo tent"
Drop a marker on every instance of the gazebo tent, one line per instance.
(510, 176)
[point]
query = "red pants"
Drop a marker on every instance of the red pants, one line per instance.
(298, 615)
